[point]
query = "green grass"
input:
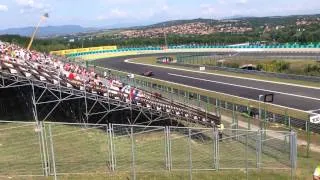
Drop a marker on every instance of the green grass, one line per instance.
(85, 151)
(206, 175)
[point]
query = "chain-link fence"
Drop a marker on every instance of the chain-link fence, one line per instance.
(20, 152)
(58, 149)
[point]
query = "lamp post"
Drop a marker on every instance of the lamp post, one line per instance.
(43, 18)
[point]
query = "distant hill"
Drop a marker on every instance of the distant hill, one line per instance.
(254, 21)
(53, 31)
(47, 31)
(173, 23)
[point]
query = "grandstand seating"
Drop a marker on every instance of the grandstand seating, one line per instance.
(34, 65)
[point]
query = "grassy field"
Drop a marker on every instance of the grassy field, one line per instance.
(83, 153)
(209, 175)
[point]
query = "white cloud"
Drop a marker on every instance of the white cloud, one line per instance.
(222, 1)
(33, 5)
(120, 14)
(242, 1)
(209, 9)
(114, 14)
(230, 2)
(165, 8)
(3, 8)
(117, 13)
(227, 8)
(128, 2)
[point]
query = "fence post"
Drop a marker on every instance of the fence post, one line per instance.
(308, 138)
(293, 153)
(249, 117)
(38, 130)
(170, 148)
(215, 137)
(110, 130)
(47, 149)
(246, 154)
(265, 121)
(133, 155)
(52, 153)
(190, 154)
(233, 117)
(258, 149)
(167, 148)
(289, 120)
(166, 151)
(217, 108)
(43, 148)
(113, 147)
(286, 118)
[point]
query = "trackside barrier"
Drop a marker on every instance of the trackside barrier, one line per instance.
(192, 48)
(59, 149)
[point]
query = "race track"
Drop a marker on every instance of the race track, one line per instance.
(303, 98)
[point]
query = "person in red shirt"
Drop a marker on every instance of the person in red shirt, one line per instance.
(71, 76)
(131, 95)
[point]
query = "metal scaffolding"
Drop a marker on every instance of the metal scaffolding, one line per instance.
(96, 107)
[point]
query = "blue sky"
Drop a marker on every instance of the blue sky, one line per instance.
(107, 13)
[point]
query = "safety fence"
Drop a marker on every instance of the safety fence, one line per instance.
(58, 149)
(253, 72)
(214, 61)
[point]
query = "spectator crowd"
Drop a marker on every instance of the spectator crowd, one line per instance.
(58, 71)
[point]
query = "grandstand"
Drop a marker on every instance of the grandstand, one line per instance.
(20, 67)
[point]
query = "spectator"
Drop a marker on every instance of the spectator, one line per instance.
(316, 174)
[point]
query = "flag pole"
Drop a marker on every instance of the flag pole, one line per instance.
(43, 17)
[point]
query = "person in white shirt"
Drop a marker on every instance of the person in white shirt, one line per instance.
(316, 174)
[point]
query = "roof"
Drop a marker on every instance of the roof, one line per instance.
(248, 65)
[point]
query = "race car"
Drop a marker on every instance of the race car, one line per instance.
(147, 73)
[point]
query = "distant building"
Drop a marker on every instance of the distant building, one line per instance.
(164, 59)
(196, 28)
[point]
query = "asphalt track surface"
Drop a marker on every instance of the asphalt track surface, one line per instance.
(306, 99)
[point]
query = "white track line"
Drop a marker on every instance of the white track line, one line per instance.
(223, 75)
(247, 87)
(314, 110)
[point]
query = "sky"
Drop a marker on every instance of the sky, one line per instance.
(111, 13)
